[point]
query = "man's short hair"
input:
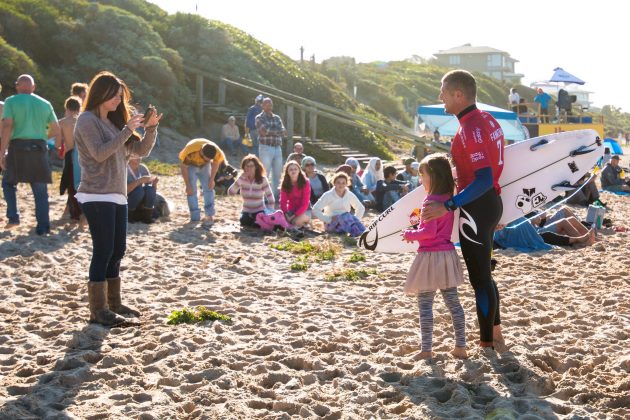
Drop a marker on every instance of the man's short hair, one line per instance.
(463, 81)
(209, 151)
(72, 104)
(77, 88)
(616, 157)
(389, 170)
(408, 161)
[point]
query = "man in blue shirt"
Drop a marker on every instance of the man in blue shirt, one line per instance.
(543, 99)
(250, 122)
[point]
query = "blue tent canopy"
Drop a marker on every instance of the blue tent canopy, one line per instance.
(613, 145)
(436, 118)
(562, 76)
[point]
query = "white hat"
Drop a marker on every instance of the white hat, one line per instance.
(259, 97)
(415, 165)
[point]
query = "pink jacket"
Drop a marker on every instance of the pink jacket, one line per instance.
(436, 234)
(297, 200)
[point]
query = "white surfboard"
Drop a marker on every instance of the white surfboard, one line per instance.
(535, 172)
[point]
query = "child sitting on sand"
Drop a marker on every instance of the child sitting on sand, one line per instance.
(334, 207)
(437, 264)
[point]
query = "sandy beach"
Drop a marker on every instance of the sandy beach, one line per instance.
(299, 346)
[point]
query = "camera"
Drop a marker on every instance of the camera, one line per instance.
(148, 113)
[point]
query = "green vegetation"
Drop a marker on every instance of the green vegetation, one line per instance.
(160, 168)
(64, 41)
(301, 264)
(350, 274)
(357, 257)
(325, 251)
(193, 316)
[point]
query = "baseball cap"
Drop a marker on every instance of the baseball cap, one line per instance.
(259, 98)
(415, 165)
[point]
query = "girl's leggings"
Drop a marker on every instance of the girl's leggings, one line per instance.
(425, 305)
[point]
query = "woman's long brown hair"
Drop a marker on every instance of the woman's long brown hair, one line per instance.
(287, 185)
(260, 170)
(103, 87)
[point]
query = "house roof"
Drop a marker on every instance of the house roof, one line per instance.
(469, 49)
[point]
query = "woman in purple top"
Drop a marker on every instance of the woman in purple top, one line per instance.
(437, 264)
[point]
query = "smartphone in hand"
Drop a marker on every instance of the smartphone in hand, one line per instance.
(148, 114)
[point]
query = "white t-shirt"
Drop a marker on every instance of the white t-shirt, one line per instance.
(514, 98)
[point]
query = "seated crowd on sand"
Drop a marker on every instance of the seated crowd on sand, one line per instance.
(102, 140)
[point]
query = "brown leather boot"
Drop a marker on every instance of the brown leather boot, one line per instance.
(99, 312)
(114, 301)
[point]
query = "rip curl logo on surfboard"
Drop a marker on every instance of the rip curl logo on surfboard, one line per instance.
(530, 200)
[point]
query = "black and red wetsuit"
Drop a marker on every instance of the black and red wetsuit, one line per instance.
(477, 152)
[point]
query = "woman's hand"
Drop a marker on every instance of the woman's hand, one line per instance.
(153, 119)
(134, 122)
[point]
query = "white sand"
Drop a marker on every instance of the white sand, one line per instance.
(300, 346)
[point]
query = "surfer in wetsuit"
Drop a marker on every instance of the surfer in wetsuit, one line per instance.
(477, 152)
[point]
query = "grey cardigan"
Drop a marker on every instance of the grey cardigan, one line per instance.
(103, 154)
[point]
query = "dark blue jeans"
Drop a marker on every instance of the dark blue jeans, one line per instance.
(40, 193)
(108, 227)
(142, 196)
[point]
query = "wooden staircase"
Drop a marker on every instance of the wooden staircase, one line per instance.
(341, 152)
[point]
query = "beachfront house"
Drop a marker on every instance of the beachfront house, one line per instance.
(489, 61)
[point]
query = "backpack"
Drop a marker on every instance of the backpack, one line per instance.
(271, 221)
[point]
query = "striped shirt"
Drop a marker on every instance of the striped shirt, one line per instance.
(253, 194)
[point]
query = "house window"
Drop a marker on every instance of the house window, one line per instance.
(494, 60)
(454, 60)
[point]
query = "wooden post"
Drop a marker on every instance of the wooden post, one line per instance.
(222, 88)
(290, 125)
(303, 122)
(313, 124)
(199, 95)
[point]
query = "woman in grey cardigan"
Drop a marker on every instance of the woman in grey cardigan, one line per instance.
(105, 137)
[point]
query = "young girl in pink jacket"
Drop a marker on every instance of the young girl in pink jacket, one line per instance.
(295, 194)
(437, 265)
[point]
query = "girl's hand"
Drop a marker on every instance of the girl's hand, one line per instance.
(404, 237)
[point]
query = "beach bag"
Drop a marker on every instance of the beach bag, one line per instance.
(271, 221)
(247, 141)
(595, 215)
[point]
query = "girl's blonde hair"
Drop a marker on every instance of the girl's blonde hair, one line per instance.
(438, 167)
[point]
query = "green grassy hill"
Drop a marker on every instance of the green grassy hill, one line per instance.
(63, 41)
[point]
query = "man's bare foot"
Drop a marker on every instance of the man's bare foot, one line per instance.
(498, 341)
(10, 226)
(460, 352)
(592, 239)
(423, 355)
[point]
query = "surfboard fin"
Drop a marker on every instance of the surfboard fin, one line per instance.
(582, 150)
(563, 186)
(539, 144)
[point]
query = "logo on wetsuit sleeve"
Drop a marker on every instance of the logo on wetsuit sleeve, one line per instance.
(530, 200)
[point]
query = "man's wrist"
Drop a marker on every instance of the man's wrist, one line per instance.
(450, 205)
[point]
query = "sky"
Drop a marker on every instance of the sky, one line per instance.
(587, 39)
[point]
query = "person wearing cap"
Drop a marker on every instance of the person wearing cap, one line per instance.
(270, 132)
(356, 186)
(612, 177)
(250, 123)
(410, 173)
(543, 98)
(231, 137)
(389, 189)
(200, 160)
(318, 182)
